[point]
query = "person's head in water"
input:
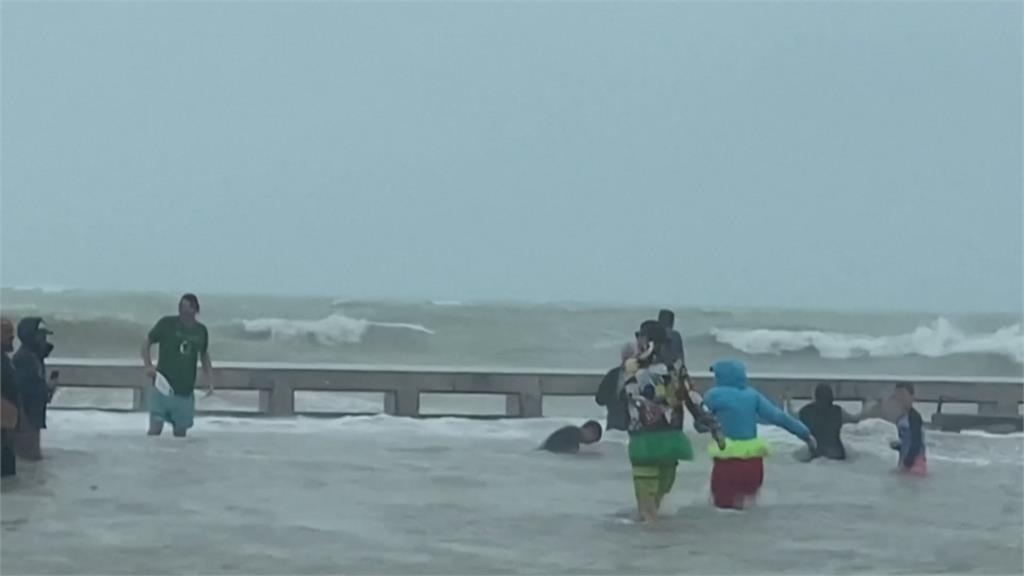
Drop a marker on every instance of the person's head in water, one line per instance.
(823, 395)
(903, 395)
(667, 319)
(590, 432)
(188, 307)
(6, 335)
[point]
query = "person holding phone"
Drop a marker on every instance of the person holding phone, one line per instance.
(35, 389)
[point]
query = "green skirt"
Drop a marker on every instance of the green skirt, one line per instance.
(658, 448)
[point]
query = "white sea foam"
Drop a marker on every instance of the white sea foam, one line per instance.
(43, 288)
(937, 339)
(332, 330)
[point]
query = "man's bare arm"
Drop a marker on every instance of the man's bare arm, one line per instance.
(147, 359)
(204, 358)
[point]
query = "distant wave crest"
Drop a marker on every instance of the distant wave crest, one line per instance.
(330, 331)
(937, 339)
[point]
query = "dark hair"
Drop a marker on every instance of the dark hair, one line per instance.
(654, 331)
(667, 318)
(906, 386)
(191, 299)
(823, 393)
(595, 425)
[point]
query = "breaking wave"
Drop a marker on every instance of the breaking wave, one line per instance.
(937, 339)
(332, 330)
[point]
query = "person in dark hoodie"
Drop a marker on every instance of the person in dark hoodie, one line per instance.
(673, 351)
(10, 399)
(36, 391)
(611, 394)
(825, 420)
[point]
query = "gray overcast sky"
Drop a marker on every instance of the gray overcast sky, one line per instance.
(861, 155)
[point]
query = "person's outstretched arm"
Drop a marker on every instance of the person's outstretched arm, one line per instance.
(850, 418)
(147, 345)
(204, 359)
(775, 415)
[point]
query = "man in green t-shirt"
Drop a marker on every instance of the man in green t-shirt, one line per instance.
(183, 342)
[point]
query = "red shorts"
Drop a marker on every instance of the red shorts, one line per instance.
(734, 480)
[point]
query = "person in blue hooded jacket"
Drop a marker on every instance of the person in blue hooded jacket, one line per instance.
(738, 470)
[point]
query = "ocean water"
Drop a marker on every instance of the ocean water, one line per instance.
(384, 495)
(91, 324)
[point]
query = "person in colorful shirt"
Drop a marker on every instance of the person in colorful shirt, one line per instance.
(656, 439)
(183, 342)
(911, 431)
(738, 469)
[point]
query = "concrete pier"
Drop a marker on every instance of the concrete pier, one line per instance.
(524, 390)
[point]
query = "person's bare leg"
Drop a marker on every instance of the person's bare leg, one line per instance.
(648, 508)
(28, 445)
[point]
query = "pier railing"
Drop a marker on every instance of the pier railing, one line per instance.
(524, 390)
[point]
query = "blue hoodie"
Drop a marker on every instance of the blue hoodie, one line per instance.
(737, 406)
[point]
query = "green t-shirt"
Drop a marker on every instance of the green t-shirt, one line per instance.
(180, 347)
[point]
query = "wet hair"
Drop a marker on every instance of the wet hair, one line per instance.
(667, 318)
(906, 386)
(594, 425)
(191, 299)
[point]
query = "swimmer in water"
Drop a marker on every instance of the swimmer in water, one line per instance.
(911, 431)
(567, 440)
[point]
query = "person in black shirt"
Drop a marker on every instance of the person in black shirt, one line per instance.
(825, 420)
(567, 440)
(673, 350)
(611, 394)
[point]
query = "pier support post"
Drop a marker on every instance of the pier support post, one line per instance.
(402, 402)
(525, 404)
(278, 400)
